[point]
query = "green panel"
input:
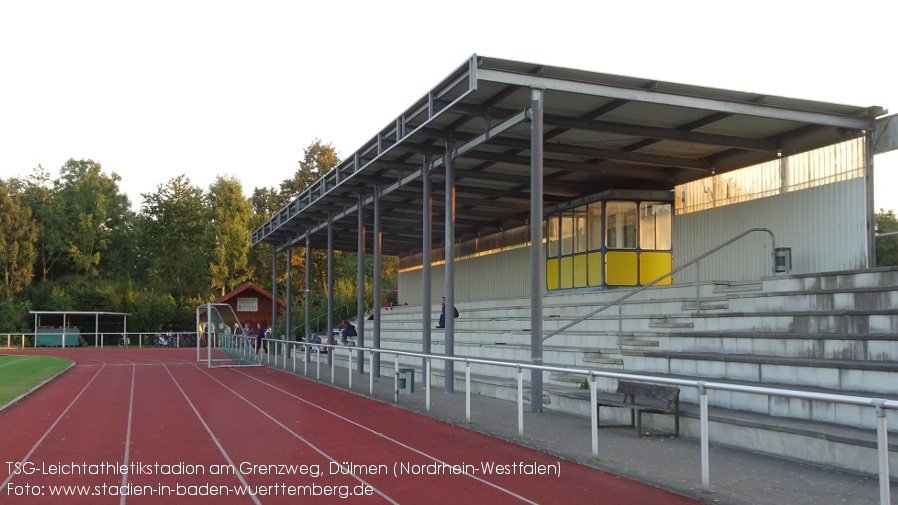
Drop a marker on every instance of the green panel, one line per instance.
(621, 268)
(653, 265)
(580, 271)
(552, 274)
(567, 272)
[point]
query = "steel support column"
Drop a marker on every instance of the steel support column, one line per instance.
(537, 260)
(449, 270)
(330, 289)
(274, 288)
(288, 294)
(308, 292)
(427, 243)
(360, 304)
(870, 209)
(375, 304)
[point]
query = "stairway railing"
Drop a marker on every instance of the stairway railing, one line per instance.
(698, 295)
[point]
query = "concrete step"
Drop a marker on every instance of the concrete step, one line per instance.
(863, 347)
(738, 287)
(876, 378)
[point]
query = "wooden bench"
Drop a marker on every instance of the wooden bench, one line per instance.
(642, 397)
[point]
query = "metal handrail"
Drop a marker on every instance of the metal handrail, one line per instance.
(880, 405)
(620, 300)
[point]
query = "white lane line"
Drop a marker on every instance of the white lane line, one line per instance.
(298, 436)
(52, 426)
(16, 361)
(128, 437)
(385, 437)
(213, 437)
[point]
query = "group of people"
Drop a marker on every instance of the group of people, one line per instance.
(346, 330)
(247, 333)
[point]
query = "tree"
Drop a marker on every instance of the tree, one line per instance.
(171, 227)
(318, 159)
(18, 235)
(51, 246)
(886, 247)
(91, 208)
(231, 216)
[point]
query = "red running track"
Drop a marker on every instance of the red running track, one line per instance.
(189, 434)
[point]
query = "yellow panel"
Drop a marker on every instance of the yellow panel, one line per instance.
(552, 274)
(594, 267)
(621, 268)
(580, 271)
(653, 265)
(567, 272)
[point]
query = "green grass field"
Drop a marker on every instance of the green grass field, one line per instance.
(20, 373)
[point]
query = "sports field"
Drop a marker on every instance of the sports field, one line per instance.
(153, 426)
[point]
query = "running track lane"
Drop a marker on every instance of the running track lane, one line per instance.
(91, 428)
(263, 416)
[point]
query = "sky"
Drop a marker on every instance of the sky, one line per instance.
(153, 90)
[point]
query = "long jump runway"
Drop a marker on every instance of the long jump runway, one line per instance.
(152, 426)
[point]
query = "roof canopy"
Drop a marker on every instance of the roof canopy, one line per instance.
(602, 132)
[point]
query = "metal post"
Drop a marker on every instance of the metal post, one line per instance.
(274, 287)
(306, 349)
(869, 150)
(371, 374)
(427, 383)
(594, 414)
(882, 448)
(520, 402)
(349, 366)
(396, 378)
(467, 391)
(449, 270)
(537, 253)
(360, 286)
(703, 421)
(375, 357)
(427, 242)
(288, 294)
(330, 290)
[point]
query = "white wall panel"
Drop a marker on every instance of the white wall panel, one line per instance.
(824, 226)
(503, 274)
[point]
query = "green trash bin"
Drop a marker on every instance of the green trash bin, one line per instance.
(406, 381)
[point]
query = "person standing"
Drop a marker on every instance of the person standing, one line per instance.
(260, 338)
(442, 323)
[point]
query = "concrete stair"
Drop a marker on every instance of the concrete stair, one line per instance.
(831, 333)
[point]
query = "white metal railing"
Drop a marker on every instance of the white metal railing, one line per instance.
(100, 340)
(879, 405)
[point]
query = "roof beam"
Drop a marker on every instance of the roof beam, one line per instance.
(661, 98)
